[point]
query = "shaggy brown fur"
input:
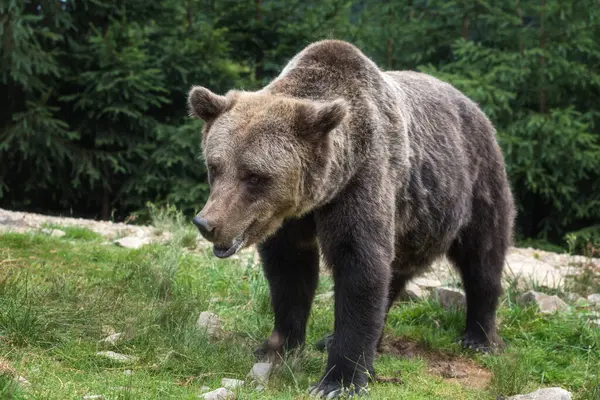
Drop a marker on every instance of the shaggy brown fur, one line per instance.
(386, 171)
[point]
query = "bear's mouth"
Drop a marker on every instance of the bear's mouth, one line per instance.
(224, 252)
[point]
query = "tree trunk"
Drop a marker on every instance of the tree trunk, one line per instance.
(390, 41)
(105, 212)
(543, 92)
(464, 29)
(190, 14)
(389, 54)
(260, 56)
(520, 14)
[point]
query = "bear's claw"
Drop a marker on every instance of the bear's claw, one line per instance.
(334, 390)
(479, 345)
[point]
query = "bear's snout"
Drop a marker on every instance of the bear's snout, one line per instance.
(205, 228)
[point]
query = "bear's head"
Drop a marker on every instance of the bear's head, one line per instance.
(267, 157)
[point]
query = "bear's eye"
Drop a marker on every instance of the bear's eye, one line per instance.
(253, 179)
(212, 173)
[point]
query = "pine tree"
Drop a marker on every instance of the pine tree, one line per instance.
(34, 141)
(533, 66)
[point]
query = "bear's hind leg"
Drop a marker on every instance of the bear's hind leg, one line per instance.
(479, 256)
(290, 261)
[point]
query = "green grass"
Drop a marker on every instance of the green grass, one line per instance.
(60, 296)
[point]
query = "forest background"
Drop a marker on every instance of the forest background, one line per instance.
(95, 121)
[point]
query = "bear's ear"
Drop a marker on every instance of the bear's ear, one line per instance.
(205, 104)
(319, 119)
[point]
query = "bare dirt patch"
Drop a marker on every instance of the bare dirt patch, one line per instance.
(450, 367)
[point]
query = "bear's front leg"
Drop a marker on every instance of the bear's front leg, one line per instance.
(290, 261)
(359, 252)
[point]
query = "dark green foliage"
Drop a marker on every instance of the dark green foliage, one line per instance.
(95, 121)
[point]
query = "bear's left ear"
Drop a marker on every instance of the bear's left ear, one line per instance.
(205, 104)
(319, 119)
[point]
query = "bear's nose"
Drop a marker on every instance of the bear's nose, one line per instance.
(206, 229)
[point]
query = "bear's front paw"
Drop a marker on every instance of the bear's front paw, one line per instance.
(333, 390)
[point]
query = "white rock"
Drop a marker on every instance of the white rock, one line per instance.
(128, 372)
(93, 397)
(22, 381)
(414, 291)
(427, 283)
(112, 339)
(204, 389)
(231, 383)
(117, 356)
(209, 323)
(219, 394)
(530, 270)
(324, 296)
(450, 297)
(132, 242)
(260, 372)
(54, 232)
(554, 393)
(545, 303)
(594, 299)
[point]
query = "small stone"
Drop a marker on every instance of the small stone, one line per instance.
(545, 303)
(209, 322)
(572, 297)
(22, 381)
(132, 242)
(450, 298)
(554, 393)
(108, 330)
(128, 372)
(451, 372)
(93, 397)
(260, 388)
(117, 356)
(219, 394)
(581, 302)
(204, 389)
(427, 283)
(255, 258)
(414, 292)
(324, 296)
(112, 339)
(54, 232)
(594, 299)
(260, 372)
(231, 383)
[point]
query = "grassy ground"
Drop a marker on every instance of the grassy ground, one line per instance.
(60, 296)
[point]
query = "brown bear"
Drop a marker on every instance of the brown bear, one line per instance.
(381, 172)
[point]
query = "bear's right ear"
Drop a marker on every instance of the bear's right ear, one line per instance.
(205, 104)
(318, 119)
